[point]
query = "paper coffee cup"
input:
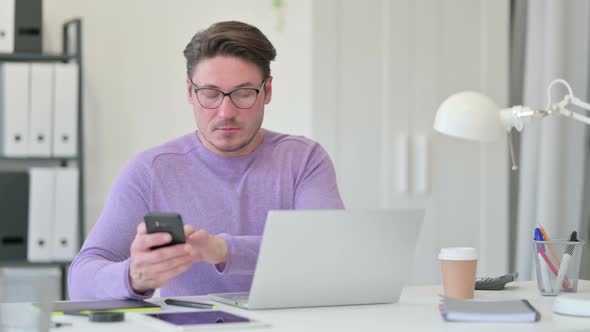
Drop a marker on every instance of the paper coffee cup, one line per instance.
(458, 266)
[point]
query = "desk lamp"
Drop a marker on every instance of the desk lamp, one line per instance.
(474, 116)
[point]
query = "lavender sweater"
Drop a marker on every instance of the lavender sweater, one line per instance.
(226, 196)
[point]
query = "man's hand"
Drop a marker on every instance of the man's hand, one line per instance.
(151, 269)
(207, 248)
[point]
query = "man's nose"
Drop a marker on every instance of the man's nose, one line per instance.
(227, 109)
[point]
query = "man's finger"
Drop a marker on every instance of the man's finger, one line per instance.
(163, 277)
(189, 229)
(199, 238)
(170, 264)
(162, 254)
(141, 228)
(147, 241)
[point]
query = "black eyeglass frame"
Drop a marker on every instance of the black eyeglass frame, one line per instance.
(196, 89)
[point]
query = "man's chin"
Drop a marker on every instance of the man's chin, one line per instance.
(228, 147)
(233, 145)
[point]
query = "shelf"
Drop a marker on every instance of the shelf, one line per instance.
(27, 159)
(40, 57)
(71, 52)
(24, 263)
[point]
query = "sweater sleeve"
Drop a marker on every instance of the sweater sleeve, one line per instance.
(101, 268)
(316, 188)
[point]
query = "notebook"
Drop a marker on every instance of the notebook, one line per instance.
(105, 305)
(508, 311)
(311, 258)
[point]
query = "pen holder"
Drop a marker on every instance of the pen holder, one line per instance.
(557, 264)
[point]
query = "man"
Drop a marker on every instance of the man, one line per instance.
(223, 180)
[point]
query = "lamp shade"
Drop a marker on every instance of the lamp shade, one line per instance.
(469, 115)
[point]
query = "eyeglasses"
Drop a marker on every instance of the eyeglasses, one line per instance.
(211, 98)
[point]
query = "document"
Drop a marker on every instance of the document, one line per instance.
(14, 109)
(41, 212)
(65, 112)
(65, 223)
(41, 110)
(7, 15)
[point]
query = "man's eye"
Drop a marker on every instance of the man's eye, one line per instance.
(208, 93)
(244, 93)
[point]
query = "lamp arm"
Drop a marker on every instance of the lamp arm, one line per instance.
(571, 100)
(567, 100)
(581, 104)
(567, 86)
(516, 116)
(574, 115)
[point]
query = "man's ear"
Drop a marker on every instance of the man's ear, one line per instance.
(268, 90)
(189, 92)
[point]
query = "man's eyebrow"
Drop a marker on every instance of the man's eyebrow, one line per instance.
(242, 85)
(246, 85)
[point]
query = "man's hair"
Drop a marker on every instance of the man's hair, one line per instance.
(230, 38)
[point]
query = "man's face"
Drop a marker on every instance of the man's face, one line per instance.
(228, 130)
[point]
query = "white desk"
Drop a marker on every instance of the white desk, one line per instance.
(417, 310)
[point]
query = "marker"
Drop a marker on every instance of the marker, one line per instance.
(569, 251)
(190, 304)
(544, 274)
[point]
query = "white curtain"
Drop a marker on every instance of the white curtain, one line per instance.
(553, 151)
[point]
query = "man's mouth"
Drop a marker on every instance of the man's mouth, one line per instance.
(228, 129)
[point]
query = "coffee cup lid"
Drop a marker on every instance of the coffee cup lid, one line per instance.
(458, 253)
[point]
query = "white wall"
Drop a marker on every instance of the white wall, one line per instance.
(383, 68)
(356, 75)
(134, 71)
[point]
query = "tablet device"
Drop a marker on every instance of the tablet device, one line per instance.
(196, 320)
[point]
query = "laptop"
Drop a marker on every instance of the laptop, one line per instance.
(311, 258)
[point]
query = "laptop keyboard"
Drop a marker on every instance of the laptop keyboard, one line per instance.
(238, 297)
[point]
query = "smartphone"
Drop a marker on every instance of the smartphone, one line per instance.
(165, 222)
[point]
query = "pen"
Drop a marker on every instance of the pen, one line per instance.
(542, 263)
(190, 304)
(546, 237)
(541, 250)
(547, 261)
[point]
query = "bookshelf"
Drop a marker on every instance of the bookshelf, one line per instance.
(71, 53)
